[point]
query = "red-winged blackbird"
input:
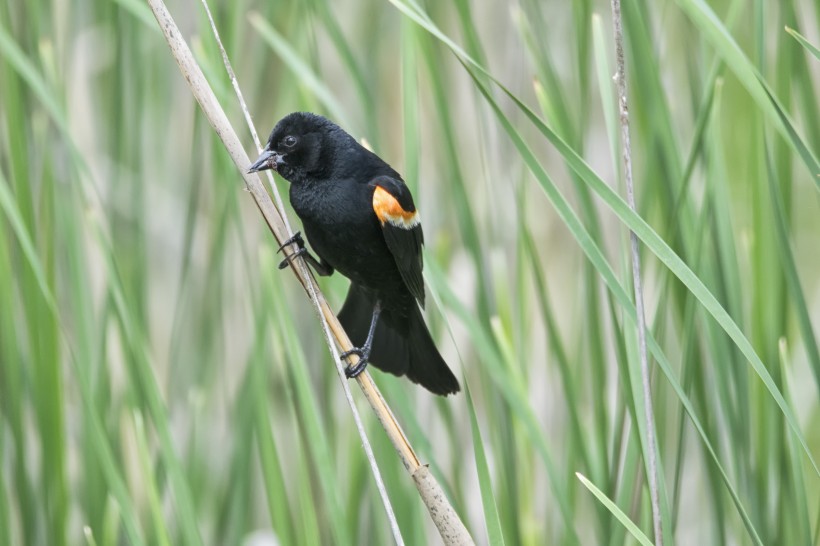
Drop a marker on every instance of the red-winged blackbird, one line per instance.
(359, 217)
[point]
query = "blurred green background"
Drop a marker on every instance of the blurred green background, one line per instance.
(162, 383)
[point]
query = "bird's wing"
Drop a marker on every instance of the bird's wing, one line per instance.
(400, 223)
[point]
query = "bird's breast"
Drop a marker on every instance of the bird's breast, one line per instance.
(342, 228)
(330, 205)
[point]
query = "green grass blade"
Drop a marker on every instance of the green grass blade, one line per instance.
(800, 510)
(617, 512)
(811, 48)
(97, 435)
(17, 58)
(508, 381)
(604, 72)
(5, 518)
(727, 48)
(410, 102)
(345, 50)
(491, 518)
(313, 429)
(273, 481)
(300, 68)
(161, 535)
(141, 12)
(143, 375)
(798, 297)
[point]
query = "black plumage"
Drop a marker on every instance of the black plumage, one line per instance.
(359, 218)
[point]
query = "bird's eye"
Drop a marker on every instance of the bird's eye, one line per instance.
(289, 141)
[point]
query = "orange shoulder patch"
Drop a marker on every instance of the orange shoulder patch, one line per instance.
(388, 209)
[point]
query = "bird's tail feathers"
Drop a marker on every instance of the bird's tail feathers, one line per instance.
(402, 345)
(427, 367)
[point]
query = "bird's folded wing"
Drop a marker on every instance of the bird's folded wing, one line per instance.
(393, 205)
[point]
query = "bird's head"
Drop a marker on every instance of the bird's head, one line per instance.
(301, 146)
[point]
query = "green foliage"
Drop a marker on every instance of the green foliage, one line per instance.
(162, 383)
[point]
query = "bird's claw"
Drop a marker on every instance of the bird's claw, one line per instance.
(296, 238)
(300, 249)
(352, 371)
(289, 259)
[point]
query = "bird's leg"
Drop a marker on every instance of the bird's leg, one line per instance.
(320, 267)
(363, 352)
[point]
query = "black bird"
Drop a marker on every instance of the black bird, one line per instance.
(359, 218)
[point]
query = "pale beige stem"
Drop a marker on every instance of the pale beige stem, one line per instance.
(651, 448)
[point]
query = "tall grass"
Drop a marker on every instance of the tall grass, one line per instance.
(162, 383)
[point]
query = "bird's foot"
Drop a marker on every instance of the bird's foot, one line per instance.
(289, 259)
(300, 249)
(296, 238)
(352, 370)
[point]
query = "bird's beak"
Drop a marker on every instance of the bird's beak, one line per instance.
(267, 160)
